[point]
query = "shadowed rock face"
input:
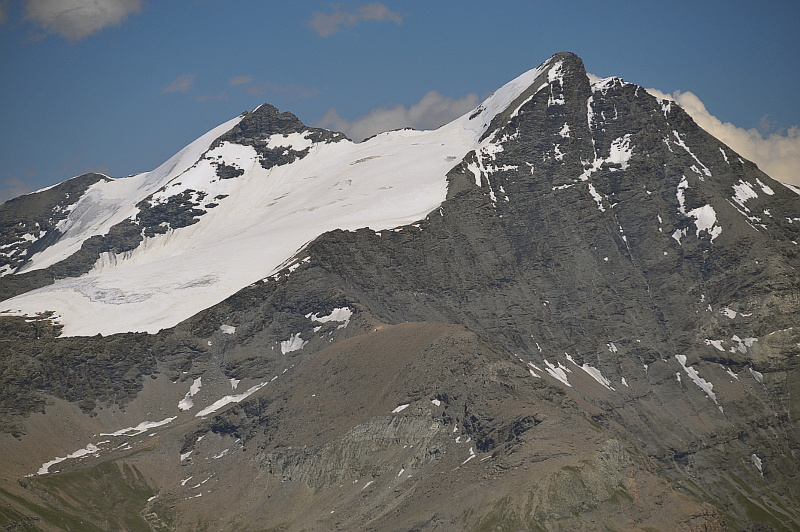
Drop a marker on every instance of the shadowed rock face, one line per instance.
(596, 330)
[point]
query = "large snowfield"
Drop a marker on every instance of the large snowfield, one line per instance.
(391, 180)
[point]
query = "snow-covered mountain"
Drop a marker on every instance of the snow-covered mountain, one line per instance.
(228, 195)
(571, 308)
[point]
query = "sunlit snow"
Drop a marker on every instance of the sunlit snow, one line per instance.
(705, 217)
(99, 208)
(89, 449)
(716, 343)
(703, 384)
(743, 191)
(187, 402)
(679, 141)
(265, 218)
(228, 399)
(339, 314)
(757, 462)
(470, 457)
(295, 343)
(140, 428)
(558, 372)
(593, 373)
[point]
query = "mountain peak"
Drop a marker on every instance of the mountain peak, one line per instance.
(331, 325)
(562, 68)
(263, 121)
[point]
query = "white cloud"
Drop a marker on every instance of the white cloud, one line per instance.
(326, 25)
(777, 154)
(240, 80)
(181, 84)
(76, 19)
(432, 111)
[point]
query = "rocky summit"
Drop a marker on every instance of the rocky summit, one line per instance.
(570, 309)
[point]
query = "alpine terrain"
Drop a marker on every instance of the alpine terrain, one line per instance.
(570, 309)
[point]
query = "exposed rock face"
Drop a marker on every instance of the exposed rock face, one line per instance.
(257, 127)
(30, 223)
(597, 329)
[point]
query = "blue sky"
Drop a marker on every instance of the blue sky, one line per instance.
(118, 86)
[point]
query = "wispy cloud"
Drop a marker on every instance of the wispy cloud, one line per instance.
(259, 88)
(218, 97)
(182, 84)
(777, 153)
(3, 11)
(432, 111)
(240, 80)
(77, 19)
(326, 25)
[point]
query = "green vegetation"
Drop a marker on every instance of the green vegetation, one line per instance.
(109, 497)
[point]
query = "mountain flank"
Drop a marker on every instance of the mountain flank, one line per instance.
(570, 309)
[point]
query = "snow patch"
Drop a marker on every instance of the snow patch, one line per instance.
(470, 457)
(679, 141)
(742, 345)
(558, 372)
(705, 217)
(767, 190)
(705, 220)
(228, 399)
(294, 343)
(678, 234)
(716, 343)
(294, 141)
(597, 198)
(88, 450)
(187, 402)
(339, 314)
(743, 191)
(593, 373)
(758, 463)
(621, 151)
(140, 428)
(703, 384)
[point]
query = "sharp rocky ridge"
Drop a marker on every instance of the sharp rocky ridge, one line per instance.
(570, 308)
